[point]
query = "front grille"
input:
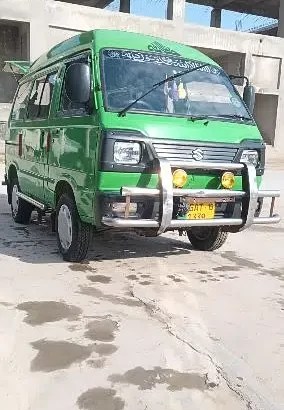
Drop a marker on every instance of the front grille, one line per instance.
(184, 152)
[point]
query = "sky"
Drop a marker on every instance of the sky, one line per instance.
(193, 14)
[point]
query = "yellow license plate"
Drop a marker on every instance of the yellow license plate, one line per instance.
(201, 211)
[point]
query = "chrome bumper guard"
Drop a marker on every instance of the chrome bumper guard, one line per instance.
(167, 194)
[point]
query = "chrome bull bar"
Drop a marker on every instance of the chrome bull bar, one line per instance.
(167, 193)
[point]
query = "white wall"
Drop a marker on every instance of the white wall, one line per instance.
(52, 22)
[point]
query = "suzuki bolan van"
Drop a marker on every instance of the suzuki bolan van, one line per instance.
(111, 129)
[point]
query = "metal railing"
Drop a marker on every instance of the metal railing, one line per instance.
(166, 193)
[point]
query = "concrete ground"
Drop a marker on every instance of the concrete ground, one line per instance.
(144, 324)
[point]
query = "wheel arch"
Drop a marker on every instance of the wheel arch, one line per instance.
(63, 187)
(12, 173)
(70, 186)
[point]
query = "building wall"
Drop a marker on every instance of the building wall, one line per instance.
(9, 35)
(265, 113)
(259, 57)
(13, 46)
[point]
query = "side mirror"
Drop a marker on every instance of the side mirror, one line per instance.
(78, 83)
(249, 91)
(249, 96)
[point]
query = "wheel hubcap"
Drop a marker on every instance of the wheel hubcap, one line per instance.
(15, 200)
(65, 227)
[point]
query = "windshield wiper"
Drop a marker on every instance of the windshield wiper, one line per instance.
(155, 86)
(238, 117)
(198, 118)
(207, 117)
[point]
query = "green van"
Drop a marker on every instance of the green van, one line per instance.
(111, 129)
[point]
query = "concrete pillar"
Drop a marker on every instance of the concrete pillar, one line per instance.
(279, 129)
(216, 18)
(39, 28)
(176, 10)
(281, 20)
(124, 6)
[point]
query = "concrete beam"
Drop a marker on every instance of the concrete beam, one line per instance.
(124, 6)
(17, 10)
(39, 28)
(176, 10)
(74, 17)
(222, 3)
(90, 3)
(263, 8)
(216, 18)
(281, 20)
(102, 3)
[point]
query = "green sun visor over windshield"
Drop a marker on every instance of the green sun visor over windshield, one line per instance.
(17, 67)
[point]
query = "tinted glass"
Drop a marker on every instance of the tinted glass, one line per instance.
(204, 92)
(41, 97)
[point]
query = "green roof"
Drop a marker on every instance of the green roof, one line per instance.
(117, 39)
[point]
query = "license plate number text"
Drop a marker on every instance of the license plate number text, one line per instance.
(201, 211)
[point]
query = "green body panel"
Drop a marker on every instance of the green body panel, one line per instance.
(113, 181)
(72, 159)
(174, 128)
(34, 159)
(135, 41)
(114, 39)
(74, 151)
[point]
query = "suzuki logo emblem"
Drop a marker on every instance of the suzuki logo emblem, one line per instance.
(197, 154)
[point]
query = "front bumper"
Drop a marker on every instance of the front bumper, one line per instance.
(166, 194)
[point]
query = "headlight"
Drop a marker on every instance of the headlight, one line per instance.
(126, 152)
(250, 156)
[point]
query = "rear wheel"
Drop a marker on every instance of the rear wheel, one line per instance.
(21, 210)
(73, 235)
(207, 239)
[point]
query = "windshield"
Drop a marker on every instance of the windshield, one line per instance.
(205, 92)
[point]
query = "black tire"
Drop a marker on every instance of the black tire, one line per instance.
(75, 247)
(22, 212)
(207, 239)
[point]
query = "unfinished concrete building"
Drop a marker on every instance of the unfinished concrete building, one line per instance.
(29, 27)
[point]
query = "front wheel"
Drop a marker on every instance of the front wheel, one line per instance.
(73, 235)
(207, 239)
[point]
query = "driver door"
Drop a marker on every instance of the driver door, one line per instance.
(74, 134)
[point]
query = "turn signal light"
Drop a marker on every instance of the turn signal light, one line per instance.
(179, 178)
(228, 180)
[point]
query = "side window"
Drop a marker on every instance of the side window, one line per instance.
(19, 108)
(76, 91)
(41, 96)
